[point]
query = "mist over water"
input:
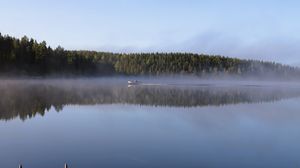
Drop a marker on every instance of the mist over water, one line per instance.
(162, 122)
(26, 98)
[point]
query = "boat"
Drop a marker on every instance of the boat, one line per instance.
(134, 82)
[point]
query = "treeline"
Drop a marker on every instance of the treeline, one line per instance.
(28, 57)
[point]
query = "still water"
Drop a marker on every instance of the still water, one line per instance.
(102, 123)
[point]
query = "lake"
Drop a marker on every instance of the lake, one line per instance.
(106, 123)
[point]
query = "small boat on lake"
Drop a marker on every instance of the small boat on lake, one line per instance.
(134, 82)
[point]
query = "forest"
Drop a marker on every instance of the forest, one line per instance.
(27, 57)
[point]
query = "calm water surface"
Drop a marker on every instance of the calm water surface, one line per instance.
(108, 124)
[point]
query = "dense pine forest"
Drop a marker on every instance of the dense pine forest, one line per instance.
(31, 58)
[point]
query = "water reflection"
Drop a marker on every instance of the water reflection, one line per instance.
(26, 99)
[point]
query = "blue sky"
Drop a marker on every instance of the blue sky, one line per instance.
(256, 29)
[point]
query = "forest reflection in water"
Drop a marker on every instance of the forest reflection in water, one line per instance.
(25, 99)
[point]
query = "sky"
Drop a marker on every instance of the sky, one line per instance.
(250, 29)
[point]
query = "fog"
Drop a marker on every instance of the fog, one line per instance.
(163, 80)
(24, 98)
